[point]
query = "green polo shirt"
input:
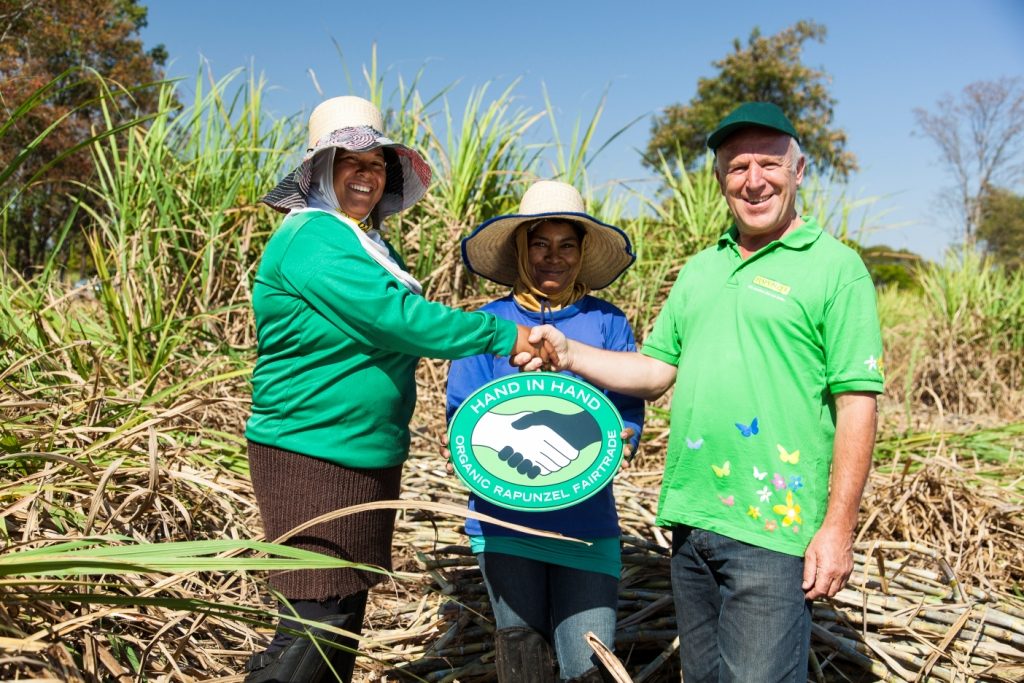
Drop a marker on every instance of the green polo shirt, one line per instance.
(339, 340)
(762, 347)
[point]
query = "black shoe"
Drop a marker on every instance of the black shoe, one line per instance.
(302, 662)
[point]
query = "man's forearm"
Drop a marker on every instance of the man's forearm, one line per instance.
(856, 423)
(828, 560)
(630, 373)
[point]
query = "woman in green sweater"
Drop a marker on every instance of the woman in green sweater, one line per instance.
(341, 325)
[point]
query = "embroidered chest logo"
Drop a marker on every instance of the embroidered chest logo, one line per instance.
(771, 288)
(536, 441)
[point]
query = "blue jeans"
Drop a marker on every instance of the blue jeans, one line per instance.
(558, 602)
(741, 611)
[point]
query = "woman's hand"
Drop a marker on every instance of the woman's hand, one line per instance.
(628, 449)
(446, 454)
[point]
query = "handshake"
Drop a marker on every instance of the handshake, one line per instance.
(539, 348)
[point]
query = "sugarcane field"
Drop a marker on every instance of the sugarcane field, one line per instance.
(143, 217)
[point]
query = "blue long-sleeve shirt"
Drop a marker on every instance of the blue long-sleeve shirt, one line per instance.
(591, 321)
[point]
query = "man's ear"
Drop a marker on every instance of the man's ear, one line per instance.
(801, 164)
(718, 177)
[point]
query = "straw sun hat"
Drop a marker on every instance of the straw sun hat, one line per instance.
(354, 124)
(491, 250)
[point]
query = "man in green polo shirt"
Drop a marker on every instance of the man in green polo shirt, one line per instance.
(772, 341)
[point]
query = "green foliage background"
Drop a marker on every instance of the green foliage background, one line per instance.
(766, 69)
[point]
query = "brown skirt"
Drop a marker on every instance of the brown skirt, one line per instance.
(292, 489)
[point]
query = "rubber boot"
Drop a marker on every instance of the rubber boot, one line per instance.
(523, 655)
(302, 662)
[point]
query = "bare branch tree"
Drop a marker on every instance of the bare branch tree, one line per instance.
(981, 137)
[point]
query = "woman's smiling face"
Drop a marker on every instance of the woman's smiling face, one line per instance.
(359, 179)
(554, 253)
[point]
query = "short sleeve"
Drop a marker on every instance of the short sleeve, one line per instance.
(665, 342)
(853, 339)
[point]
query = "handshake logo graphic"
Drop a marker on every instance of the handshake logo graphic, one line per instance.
(536, 441)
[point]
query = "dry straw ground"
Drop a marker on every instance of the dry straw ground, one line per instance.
(935, 593)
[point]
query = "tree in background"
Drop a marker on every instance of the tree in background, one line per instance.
(768, 69)
(1001, 226)
(981, 139)
(39, 41)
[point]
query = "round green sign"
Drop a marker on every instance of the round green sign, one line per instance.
(536, 441)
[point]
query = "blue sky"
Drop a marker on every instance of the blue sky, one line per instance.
(884, 57)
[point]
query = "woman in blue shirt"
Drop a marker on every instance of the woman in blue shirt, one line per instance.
(547, 592)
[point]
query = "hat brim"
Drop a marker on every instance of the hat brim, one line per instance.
(490, 250)
(404, 186)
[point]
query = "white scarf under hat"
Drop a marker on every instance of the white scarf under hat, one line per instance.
(322, 198)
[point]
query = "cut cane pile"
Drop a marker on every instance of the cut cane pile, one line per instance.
(926, 603)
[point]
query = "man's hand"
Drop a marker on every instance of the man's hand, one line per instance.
(828, 563)
(528, 354)
(554, 343)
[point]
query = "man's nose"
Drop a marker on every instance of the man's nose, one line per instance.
(755, 175)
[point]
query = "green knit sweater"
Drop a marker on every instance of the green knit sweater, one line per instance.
(339, 339)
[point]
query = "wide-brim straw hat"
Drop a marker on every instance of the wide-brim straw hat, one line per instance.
(490, 251)
(354, 124)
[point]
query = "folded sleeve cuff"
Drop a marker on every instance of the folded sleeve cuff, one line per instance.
(872, 386)
(657, 354)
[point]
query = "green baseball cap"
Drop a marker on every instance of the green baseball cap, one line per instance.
(763, 114)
